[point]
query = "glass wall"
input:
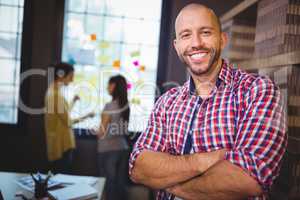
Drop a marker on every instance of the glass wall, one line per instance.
(11, 17)
(107, 37)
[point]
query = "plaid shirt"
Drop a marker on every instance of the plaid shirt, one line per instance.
(243, 113)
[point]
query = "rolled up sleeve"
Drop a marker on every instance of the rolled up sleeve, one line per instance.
(261, 137)
(154, 137)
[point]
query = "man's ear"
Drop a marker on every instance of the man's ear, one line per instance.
(224, 40)
(175, 44)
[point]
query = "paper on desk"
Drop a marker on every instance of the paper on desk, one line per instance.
(27, 183)
(74, 192)
(72, 179)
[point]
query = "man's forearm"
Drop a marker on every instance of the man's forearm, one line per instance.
(161, 170)
(224, 181)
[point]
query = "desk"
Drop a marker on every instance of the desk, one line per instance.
(9, 187)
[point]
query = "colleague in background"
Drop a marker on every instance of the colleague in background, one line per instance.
(59, 135)
(112, 145)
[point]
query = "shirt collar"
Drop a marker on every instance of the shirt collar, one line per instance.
(226, 72)
(224, 76)
(192, 87)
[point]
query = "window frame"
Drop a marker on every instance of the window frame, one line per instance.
(17, 59)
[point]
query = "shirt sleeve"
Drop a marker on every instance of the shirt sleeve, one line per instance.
(154, 137)
(109, 107)
(261, 137)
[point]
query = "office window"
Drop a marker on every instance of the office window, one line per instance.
(11, 17)
(107, 37)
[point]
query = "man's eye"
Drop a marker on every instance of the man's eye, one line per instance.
(206, 33)
(184, 36)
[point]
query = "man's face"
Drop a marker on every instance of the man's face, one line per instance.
(198, 40)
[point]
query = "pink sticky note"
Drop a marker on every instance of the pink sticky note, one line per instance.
(136, 63)
(129, 86)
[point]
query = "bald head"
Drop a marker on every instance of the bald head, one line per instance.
(197, 8)
(199, 39)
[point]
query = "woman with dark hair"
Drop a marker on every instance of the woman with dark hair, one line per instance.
(59, 134)
(112, 144)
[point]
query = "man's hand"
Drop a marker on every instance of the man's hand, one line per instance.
(213, 158)
(161, 170)
(222, 181)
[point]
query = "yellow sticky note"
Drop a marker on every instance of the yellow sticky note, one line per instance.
(79, 77)
(117, 64)
(133, 101)
(139, 82)
(104, 44)
(136, 101)
(103, 59)
(93, 80)
(135, 53)
(82, 94)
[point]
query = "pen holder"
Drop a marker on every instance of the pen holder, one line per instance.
(40, 186)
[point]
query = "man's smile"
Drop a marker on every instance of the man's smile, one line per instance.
(197, 56)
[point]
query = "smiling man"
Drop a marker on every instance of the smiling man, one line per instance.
(219, 136)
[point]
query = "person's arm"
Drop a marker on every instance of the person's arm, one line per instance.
(254, 162)
(105, 120)
(58, 106)
(74, 100)
(152, 165)
(80, 119)
(224, 181)
(161, 170)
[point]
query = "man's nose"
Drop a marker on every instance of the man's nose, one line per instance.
(196, 41)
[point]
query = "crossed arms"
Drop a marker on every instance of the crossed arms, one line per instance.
(246, 170)
(162, 170)
(196, 176)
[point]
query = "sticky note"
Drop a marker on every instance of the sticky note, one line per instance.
(103, 59)
(104, 44)
(139, 82)
(93, 80)
(135, 53)
(81, 93)
(71, 61)
(79, 77)
(85, 56)
(136, 101)
(129, 86)
(136, 63)
(117, 64)
(93, 37)
(142, 68)
(133, 100)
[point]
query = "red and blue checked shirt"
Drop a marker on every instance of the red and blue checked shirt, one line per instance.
(244, 113)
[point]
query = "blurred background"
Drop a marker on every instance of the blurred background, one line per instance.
(134, 38)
